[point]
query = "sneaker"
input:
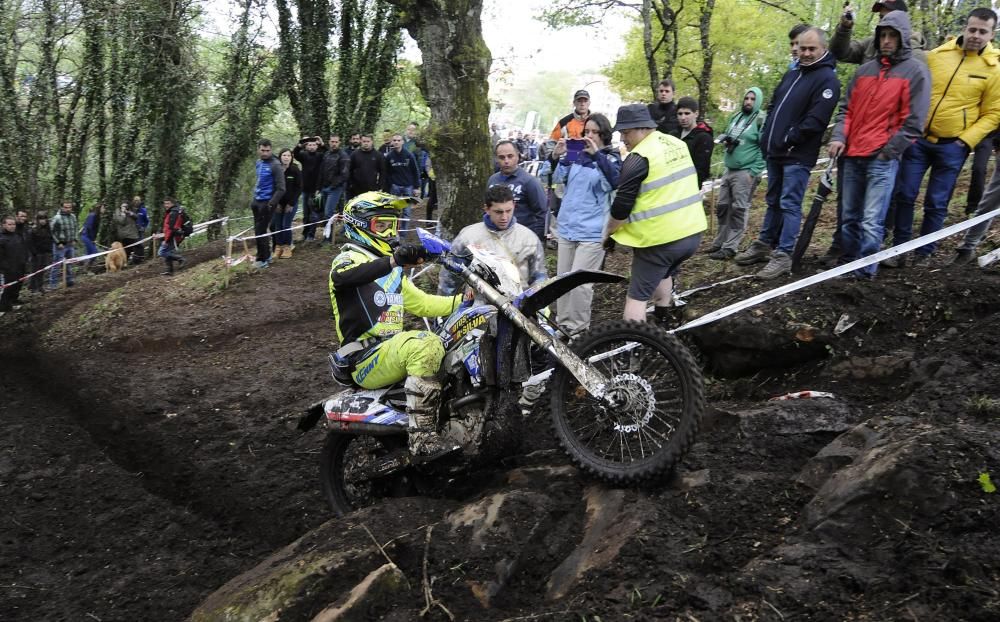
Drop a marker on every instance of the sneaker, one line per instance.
(757, 252)
(781, 263)
(715, 248)
(167, 273)
(962, 256)
(723, 254)
(260, 265)
(919, 260)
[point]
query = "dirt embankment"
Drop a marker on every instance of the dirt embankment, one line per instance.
(149, 457)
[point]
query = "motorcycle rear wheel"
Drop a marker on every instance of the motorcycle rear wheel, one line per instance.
(660, 401)
(346, 459)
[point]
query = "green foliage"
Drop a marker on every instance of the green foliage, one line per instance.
(548, 93)
(986, 484)
(403, 102)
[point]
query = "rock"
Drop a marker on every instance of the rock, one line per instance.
(838, 454)
(789, 417)
(690, 480)
(381, 583)
(864, 367)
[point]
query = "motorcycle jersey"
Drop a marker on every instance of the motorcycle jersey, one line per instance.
(369, 296)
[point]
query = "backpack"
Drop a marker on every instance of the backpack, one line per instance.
(187, 225)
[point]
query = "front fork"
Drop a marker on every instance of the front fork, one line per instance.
(589, 378)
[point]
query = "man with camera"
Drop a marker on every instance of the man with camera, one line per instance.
(744, 163)
(310, 155)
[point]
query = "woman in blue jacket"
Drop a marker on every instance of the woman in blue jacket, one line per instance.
(591, 176)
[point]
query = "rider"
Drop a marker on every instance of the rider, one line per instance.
(369, 292)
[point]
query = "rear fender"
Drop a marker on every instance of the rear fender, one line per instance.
(312, 415)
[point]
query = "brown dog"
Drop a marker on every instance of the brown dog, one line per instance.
(116, 259)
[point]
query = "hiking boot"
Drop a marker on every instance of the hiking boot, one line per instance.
(962, 257)
(781, 263)
(830, 257)
(288, 251)
(757, 252)
(712, 249)
(919, 260)
(723, 254)
(530, 395)
(896, 261)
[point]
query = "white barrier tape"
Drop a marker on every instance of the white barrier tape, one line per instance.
(988, 258)
(826, 275)
(273, 233)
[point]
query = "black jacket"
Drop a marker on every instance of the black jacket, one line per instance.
(293, 185)
(665, 117)
(334, 169)
(800, 111)
(13, 255)
(40, 240)
(311, 162)
(700, 144)
(367, 172)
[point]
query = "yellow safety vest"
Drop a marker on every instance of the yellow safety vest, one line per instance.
(668, 207)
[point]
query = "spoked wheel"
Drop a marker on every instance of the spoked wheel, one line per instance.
(346, 467)
(655, 400)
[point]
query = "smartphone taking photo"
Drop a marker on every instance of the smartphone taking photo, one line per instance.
(573, 148)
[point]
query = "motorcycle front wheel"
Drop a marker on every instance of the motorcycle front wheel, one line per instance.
(656, 398)
(346, 464)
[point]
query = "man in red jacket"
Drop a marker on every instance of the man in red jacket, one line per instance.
(173, 234)
(887, 103)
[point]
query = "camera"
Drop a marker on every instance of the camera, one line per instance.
(727, 140)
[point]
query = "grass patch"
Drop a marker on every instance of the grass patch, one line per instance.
(209, 277)
(983, 405)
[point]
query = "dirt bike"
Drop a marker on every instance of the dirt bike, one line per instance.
(626, 397)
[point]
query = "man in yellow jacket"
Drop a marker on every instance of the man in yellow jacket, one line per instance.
(965, 107)
(657, 211)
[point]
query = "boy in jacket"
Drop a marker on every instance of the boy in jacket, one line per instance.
(886, 105)
(173, 234)
(797, 116)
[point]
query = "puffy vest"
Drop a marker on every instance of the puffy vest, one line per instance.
(668, 207)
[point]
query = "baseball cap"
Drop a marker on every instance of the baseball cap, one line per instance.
(581, 93)
(892, 5)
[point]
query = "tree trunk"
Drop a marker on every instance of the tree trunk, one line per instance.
(647, 45)
(704, 29)
(455, 65)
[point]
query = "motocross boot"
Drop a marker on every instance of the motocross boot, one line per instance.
(423, 400)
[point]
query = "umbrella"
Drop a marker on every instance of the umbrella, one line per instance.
(805, 236)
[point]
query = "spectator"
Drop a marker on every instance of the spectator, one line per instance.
(174, 221)
(126, 227)
(571, 126)
(88, 234)
(142, 222)
(310, 158)
(697, 135)
(354, 143)
(403, 174)
(793, 43)
(796, 120)
(744, 163)
(664, 111)
(886, 105)
(40, 248)
(386, 142)
(495, 136)
(864, 50)
(410, 141)
(980, 162)
(965, 107)
(530, 206)
(990, 201)
(367, 169)
(589, 180)
(657, 211)
(334, 172)
(13, 261)
(21, 225)
(499, 232)
(64, 232)
(267, 194)
(284, 214)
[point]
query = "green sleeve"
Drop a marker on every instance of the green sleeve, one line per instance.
(422, 304)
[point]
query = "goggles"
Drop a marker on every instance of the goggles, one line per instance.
(382, 224)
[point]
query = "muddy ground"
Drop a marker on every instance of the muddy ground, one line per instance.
(148, 454)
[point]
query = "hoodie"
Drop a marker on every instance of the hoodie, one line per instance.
(887, 99)
(700, 144)
(799, 112)
(745, 127)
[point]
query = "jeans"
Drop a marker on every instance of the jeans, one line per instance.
(945, 161)
(309, 215)
(331, 200)
(403, 191)
(170, 254)
(261, 219)
(39, 261)
(733, 207)
(90, 247)
(59, 254)
(786, 186)
(980, 162)
(867, 189)
(281, 221)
